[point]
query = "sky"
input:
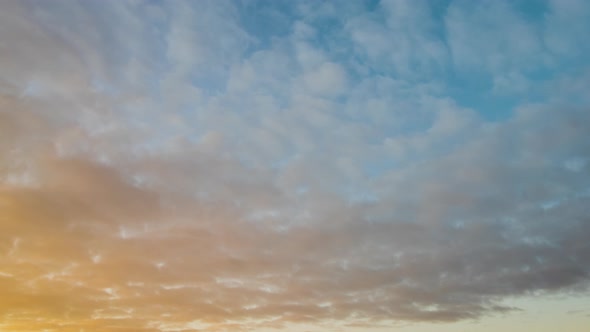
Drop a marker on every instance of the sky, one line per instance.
(294, 165)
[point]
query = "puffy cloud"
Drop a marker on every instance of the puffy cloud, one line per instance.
(400, 37)
(328, 79)
(491, 35)
(158, 174)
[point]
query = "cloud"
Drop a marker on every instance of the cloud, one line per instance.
(565, 24)
(501, 39)
(401, 38)
(159, 174)
(328, 79)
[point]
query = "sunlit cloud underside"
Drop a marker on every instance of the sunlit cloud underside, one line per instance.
(263, 165)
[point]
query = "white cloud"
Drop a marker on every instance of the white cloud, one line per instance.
(491, 36)
(161, 144)
(566, 26)
(328, 79)
(401, 38)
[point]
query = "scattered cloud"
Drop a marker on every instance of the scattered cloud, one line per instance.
(164, 168)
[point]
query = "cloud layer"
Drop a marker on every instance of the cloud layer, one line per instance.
(215, 166)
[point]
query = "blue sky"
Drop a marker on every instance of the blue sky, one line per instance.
(334, 165)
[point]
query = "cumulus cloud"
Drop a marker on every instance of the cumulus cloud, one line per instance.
(401, 37)
(164, 169)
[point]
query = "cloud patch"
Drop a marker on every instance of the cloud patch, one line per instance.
(187, 175)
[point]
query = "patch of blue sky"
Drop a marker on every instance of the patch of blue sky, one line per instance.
(212, 82)
(470, 87)
(475, 92)
(377, 168)
(266, 21)
(531, 9)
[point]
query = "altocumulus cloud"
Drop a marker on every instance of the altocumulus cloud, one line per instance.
(189, 166)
